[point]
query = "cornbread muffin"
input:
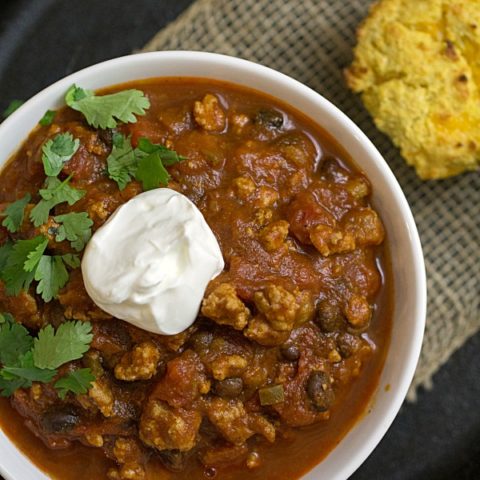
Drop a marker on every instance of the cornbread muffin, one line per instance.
(417, 67)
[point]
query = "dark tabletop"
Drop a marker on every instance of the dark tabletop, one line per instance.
(41, 41)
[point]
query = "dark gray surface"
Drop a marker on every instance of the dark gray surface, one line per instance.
(43, 40)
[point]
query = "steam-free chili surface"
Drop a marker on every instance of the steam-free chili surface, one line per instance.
(304, 304)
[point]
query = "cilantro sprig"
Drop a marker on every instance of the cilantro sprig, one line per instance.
(58, 151)
(121, 163)
(20, 261)
(14, 214)
(169, 157)
(25, 359)
(26, 372)
(105, 111)
(146, 163)
(48, 118)
(25, 261)
(51, 275)
(152, 160)
(54, 348)
(6, 317)
(15, 341)
(78, 381)
(5, 252)
(54, 193)
(76, 227)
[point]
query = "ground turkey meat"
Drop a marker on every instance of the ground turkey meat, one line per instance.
(139, 364)
(233, 422)
(209, 114)
(225, 308)
(167, 428)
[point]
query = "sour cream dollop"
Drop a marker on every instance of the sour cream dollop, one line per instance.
(150, 263)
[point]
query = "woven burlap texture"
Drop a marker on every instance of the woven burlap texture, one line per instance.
(312, 41)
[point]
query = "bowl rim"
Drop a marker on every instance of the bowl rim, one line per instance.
(12, 123)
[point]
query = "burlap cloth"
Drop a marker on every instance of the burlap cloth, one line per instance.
(311, 40)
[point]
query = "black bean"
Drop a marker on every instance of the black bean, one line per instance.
(331, 170)
(106, 136)
(127, 410)
(230, 387)
(348, 344)
(319, 390)
(290, 352)
(291, 138)
(117, 334)
(210, 472)
(54, 312)
(60, 420)
(161, 369)
(271, 119)
(329, 317)
(201, 340)
(173, 460)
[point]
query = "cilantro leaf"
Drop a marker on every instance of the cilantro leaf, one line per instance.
(15, 340)
(106, 110)
(169, 157)
(27, 371)
(8, 387)
(151, 171)
(78, 381)
(58, 151)
(152, 159)
(47, 118)
(6, 318)
(25, 360)
(56, 192)
(121, 163)
(146, 163)
(5, 251)
(23, 254)
(22, 375)
(51, 276)
(145, 145)
(71, 260)
(70, 341)
(14, 105)
(14, 214)
(35, 255)
(75, 227)
(25, 261)
(16, 280)
(39, 213)
(61, 191)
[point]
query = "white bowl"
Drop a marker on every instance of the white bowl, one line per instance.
(388, 198)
